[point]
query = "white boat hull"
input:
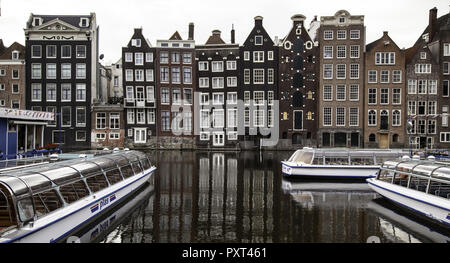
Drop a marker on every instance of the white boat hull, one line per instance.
(433, 207)
(329, 171)
(62, 223)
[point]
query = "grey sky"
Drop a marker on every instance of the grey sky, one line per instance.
(404, 19)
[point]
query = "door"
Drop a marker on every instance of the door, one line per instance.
(219, 139)
(140, 135)
(423, 142)
(384, 141)
(298, 120)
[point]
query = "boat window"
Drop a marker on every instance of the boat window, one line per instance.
(6, 216)
(25, 209)
(336, 160)
(113, 176)
(74, 191)
(127, 171)
(302, 157)
(440, 189)
(97, 182)
(386, 176)
(61, 175)
(401, 178)
(145, 164)
(137, 167)
(424, 170)
(418, 184)
(442, 173)
(362, 161)
(318, 160)
(87, 169)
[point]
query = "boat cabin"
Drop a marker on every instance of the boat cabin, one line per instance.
(21, 131)
(344, 157)
(29, 194)
(430, 177)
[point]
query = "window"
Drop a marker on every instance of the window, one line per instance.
(231, 65)
(139, 59)
(396, 76)
(204, 119)
(270, 76)
(328, 35)
(81, 71)
(340, 116)
(328, 71)
(151, 115)
(139, 75)
(130, 94)
(421, 107)
(327, 93)
(258, 76)
(232, 98)
(341, 51)
(270, 97)
(327, 117)
(66, 116)
(445, 68)
(372, 96)
(165, 97)
(81, 51)
(384, 76)
(150, 94)
(341, 34)
(247, 97)
(204, 136)
(246, 76)
(445, 88)
(258, 97)
(423, 68)
(423, 55)
(15, 55)
(372, 76)
(422, 86)
(421, 127)
(354, 34)
(384, 58)
(128, 57)
(149, 75)
(217, 66)
(396, 118)
(217, 83)
(412, 107)
(396, 96)
(432, 87)
(66, 92)
(51, 92)
(412, 86)
(36, 51)
(354, 51)
(36, 71)
(328, 52)
(80, 116)
(203, 82)
(353, 116)
(51, 71)
(66, 51)
(446, 49)
(258, 40)
(164, 57)
(81, 92)
(36, 92)
(187, 93)
(66, 71)
(187, 58)
(258, 118)
(218, 98)
(246, 55)
(269, 55)
(341, 71)
(354, 92)
(354, 71)
(218, 118)
(246, 118)
(176, 96)
(164, 74)
(80, 136)
(384, 96)
(187, 75)
(232, 118)
(258, 56)
(431, 126)
(203, 66)
(341, 92)
(175, 58)
(444, 116)
(176, 75)
(51, 51)
(372, 121)
(130, 116)
(140, 135)
(432, 106)
(231, 82)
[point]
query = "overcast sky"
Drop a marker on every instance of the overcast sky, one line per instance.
(404, 19)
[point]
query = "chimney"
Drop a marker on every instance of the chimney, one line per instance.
(191, 31)
(258, 20)
(432, 22)
(138, 30)
(298, 18)
(233, 40)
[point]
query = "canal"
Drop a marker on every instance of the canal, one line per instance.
(242, 197)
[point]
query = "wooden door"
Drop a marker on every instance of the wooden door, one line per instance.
(384, 141)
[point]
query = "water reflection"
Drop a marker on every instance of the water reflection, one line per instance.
(242, 197)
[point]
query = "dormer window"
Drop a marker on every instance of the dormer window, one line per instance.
(258, 40)
(341, 20)
(84, 22)
(37, 21)
(423, 55)
(15, 55)
(136, 42)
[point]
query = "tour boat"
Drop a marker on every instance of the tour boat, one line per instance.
(337, 163)
(49, 202)
(422, 187)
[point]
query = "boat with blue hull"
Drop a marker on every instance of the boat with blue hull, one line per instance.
(337, 164)
(421, 187)
(45, 204)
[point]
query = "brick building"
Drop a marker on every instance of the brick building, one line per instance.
(12, 76)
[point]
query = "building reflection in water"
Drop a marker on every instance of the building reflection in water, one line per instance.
(240, 197)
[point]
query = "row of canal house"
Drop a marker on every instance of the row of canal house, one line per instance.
(318, 86)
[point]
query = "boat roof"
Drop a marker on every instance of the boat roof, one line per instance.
(434, 169)
(339, 152)
(35, 179)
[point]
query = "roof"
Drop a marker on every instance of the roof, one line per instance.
(73, 20)
(215, 39)
(2, 47)
(442, 23)
(176, 36)
(375, 43)
(6, 54)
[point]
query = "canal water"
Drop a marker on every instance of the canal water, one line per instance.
(242, 197)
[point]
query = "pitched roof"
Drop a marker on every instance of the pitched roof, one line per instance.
(7, 52)
(215, 39)
(375, 43)
(442, 23)
(176, 36)
(2, 47)
(73, 20)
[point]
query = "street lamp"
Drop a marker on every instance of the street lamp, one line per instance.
(409, 128)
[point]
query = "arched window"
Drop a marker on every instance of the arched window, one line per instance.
(396, 118)
(297, 100)
(372, 137)
(298, 81)
(298, 45)
(372, 118)
(298, 63)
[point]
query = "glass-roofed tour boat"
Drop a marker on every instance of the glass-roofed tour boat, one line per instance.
(422, 187)
(310, 163)
(48, 202)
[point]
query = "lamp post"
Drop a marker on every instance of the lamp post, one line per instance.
(409, 128)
